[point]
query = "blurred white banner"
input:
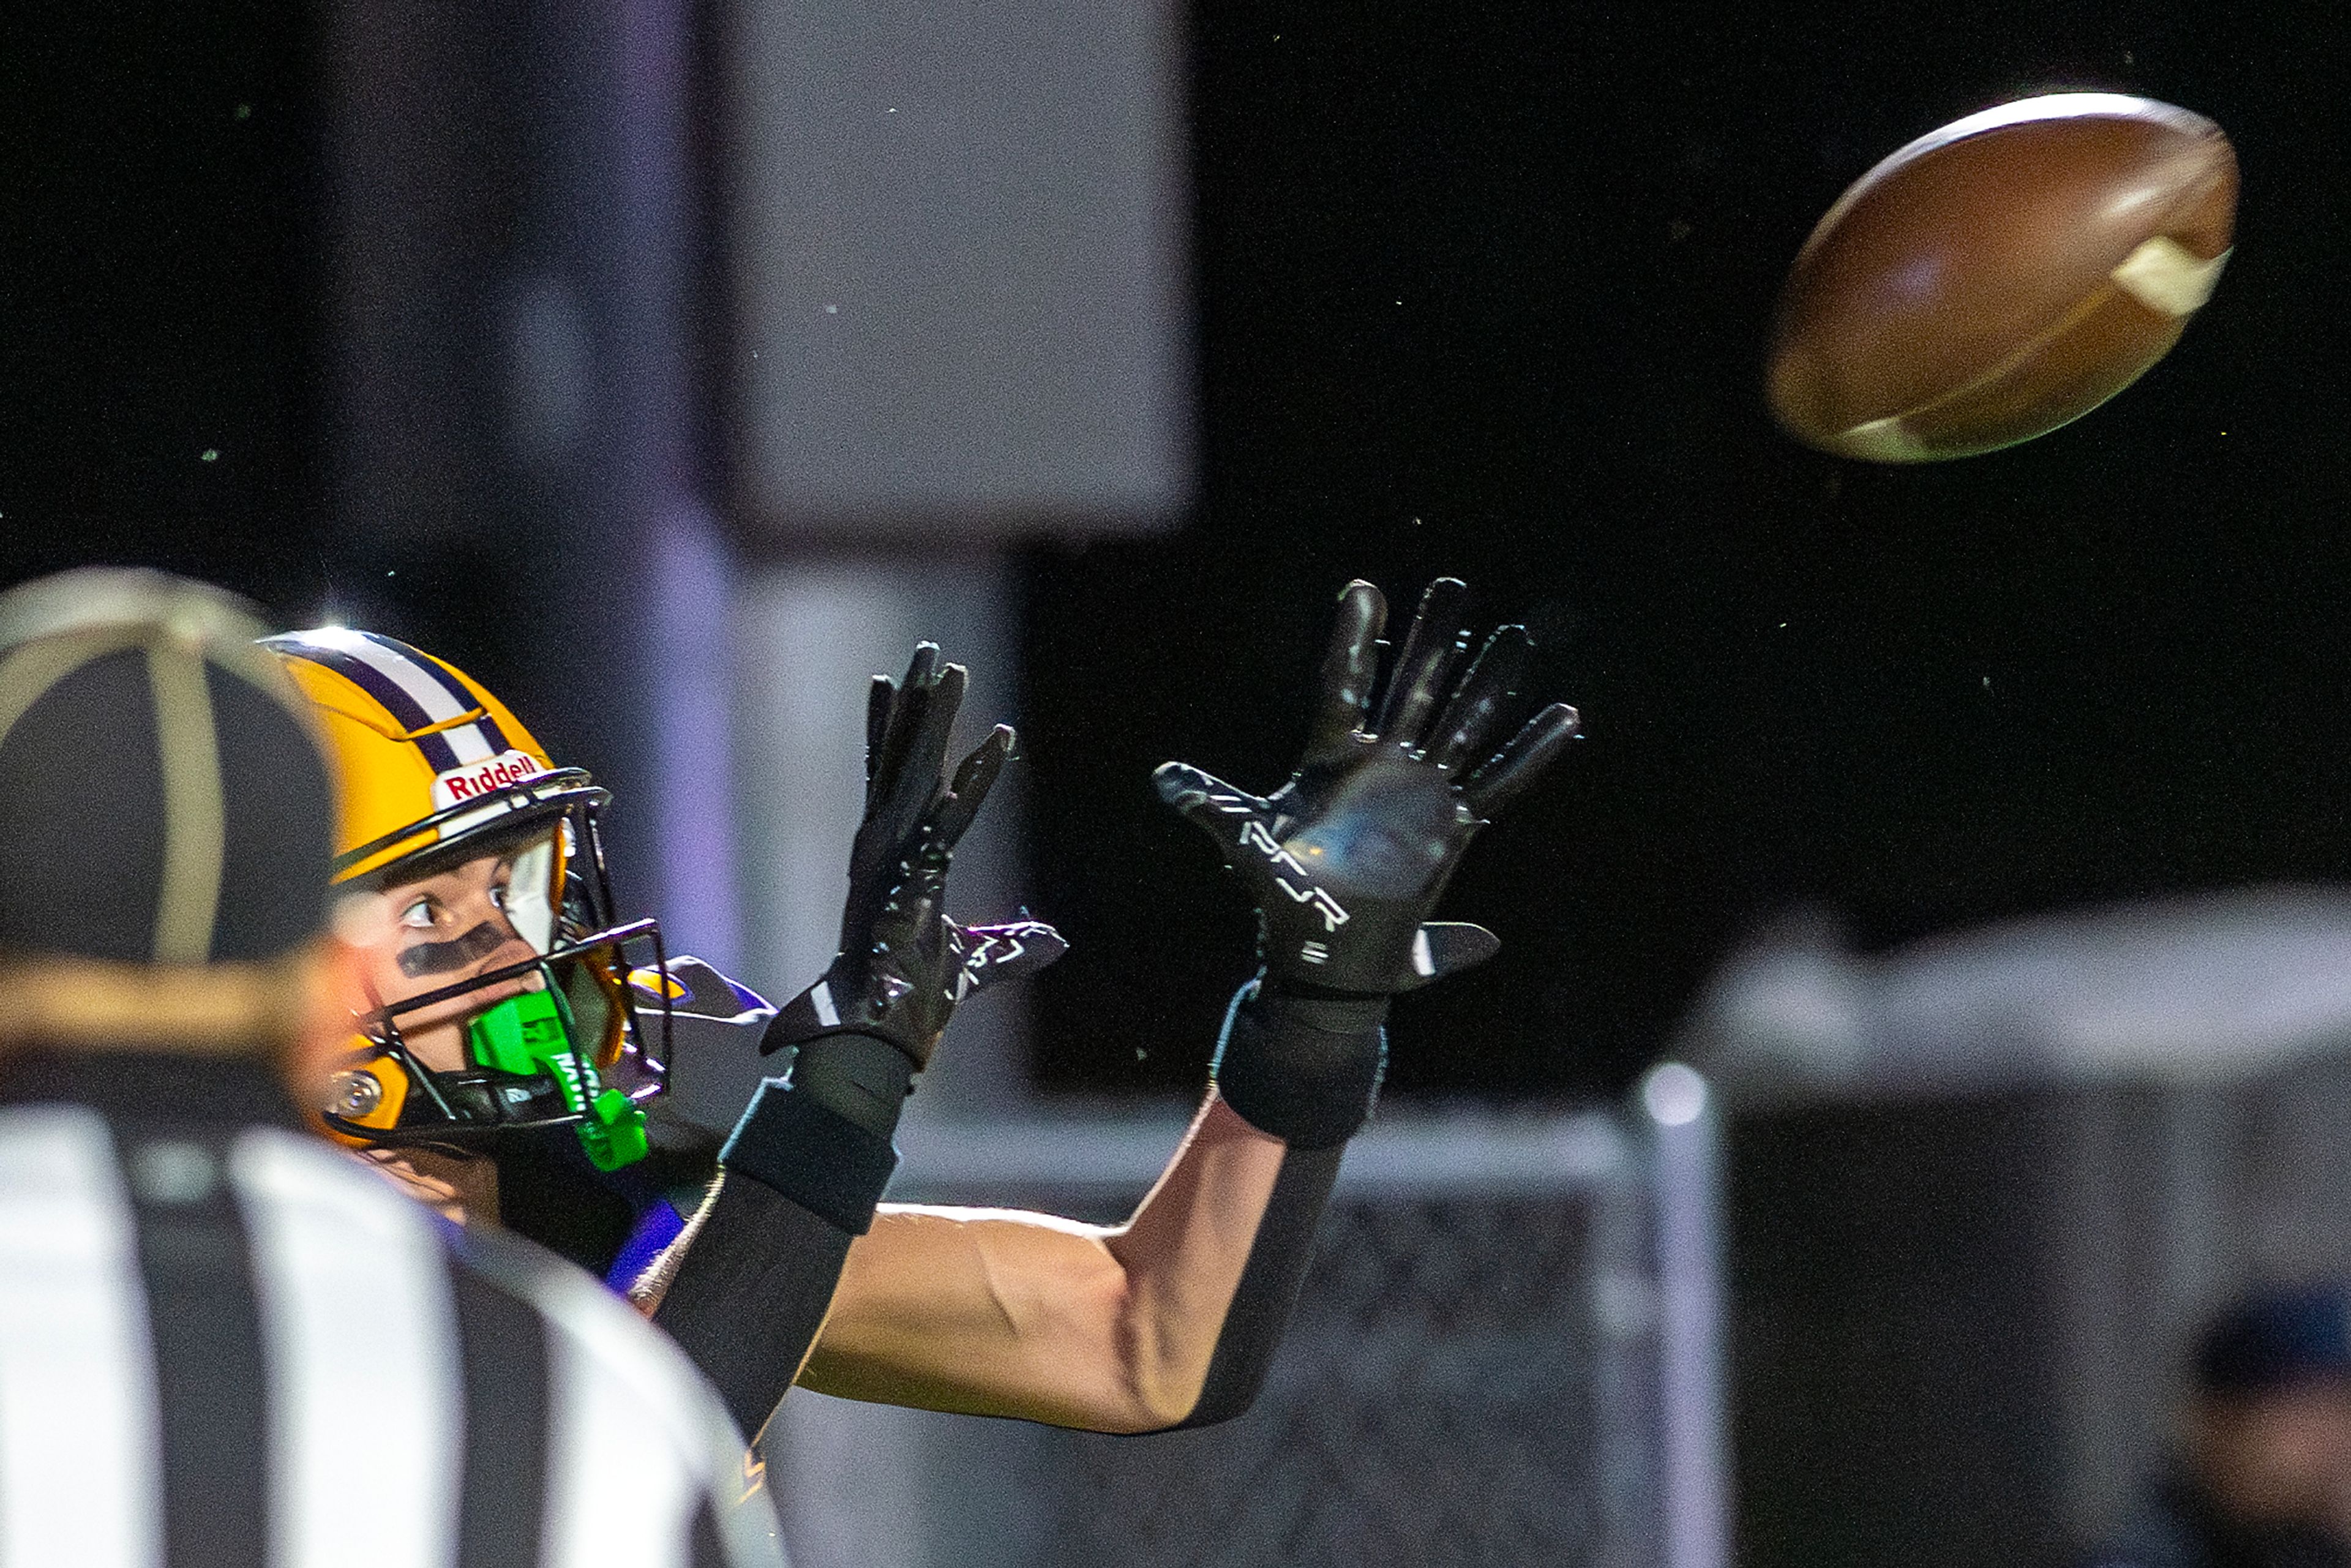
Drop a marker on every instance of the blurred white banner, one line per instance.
(956, 246)
(2199, 989)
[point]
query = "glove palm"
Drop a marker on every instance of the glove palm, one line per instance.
(1346, 859)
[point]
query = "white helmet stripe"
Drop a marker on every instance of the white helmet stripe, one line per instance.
(468, 742)
(424, 687)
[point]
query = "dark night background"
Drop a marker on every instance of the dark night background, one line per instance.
(1482, 291)
(160, 273)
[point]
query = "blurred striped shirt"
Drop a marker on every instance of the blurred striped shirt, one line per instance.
(224, 1343)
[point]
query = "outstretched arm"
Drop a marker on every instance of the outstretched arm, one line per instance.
(1113, 1329)
(1173, 1319)
(744, 1288)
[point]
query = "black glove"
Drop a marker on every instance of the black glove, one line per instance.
(1346, 860)
(812, 1151)
(904, 965)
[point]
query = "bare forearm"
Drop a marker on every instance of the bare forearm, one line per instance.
(1019, 1315)
(977, 1311)
(1185, 1250)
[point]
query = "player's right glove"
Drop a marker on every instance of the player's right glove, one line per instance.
(1347, 860)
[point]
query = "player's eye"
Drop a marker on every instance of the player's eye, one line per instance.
(418, 916)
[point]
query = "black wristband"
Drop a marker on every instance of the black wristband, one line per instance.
(1305, 1069)
(801, 1149)
(859, 1076)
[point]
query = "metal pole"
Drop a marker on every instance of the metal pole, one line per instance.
(1694, 1480)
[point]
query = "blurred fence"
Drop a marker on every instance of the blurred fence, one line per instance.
(1477, 1374)
(1983, 1191)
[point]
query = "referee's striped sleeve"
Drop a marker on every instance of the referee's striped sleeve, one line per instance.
(581, 1430)
(631, 1421)
(243, 1349)
(503, 1341)
(78, 1451)
(366, 1412)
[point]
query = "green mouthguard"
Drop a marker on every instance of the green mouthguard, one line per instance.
(530, 1035)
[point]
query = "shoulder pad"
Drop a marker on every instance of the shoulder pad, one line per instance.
(716, 1026)
(693, 987)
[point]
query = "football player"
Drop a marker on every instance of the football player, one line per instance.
(515, 1023)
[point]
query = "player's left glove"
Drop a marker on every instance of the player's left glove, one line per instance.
(904, 964)
(809, 1158)
(1347, 860)
(821, 1137)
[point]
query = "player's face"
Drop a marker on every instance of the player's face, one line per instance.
(422, 935)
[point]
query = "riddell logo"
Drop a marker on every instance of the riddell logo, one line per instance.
(476, 780)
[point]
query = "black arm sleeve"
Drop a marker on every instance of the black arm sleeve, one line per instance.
(1270, 1281)
(753, 1285)
(751, 1293)
(1307, 1070)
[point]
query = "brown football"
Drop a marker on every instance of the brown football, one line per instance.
(2006, 274)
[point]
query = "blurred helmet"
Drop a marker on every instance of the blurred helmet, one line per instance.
(435, 775)
(2278, 1337)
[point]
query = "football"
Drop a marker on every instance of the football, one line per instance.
(2002, 277)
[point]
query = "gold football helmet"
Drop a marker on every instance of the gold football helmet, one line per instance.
(528, 975)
